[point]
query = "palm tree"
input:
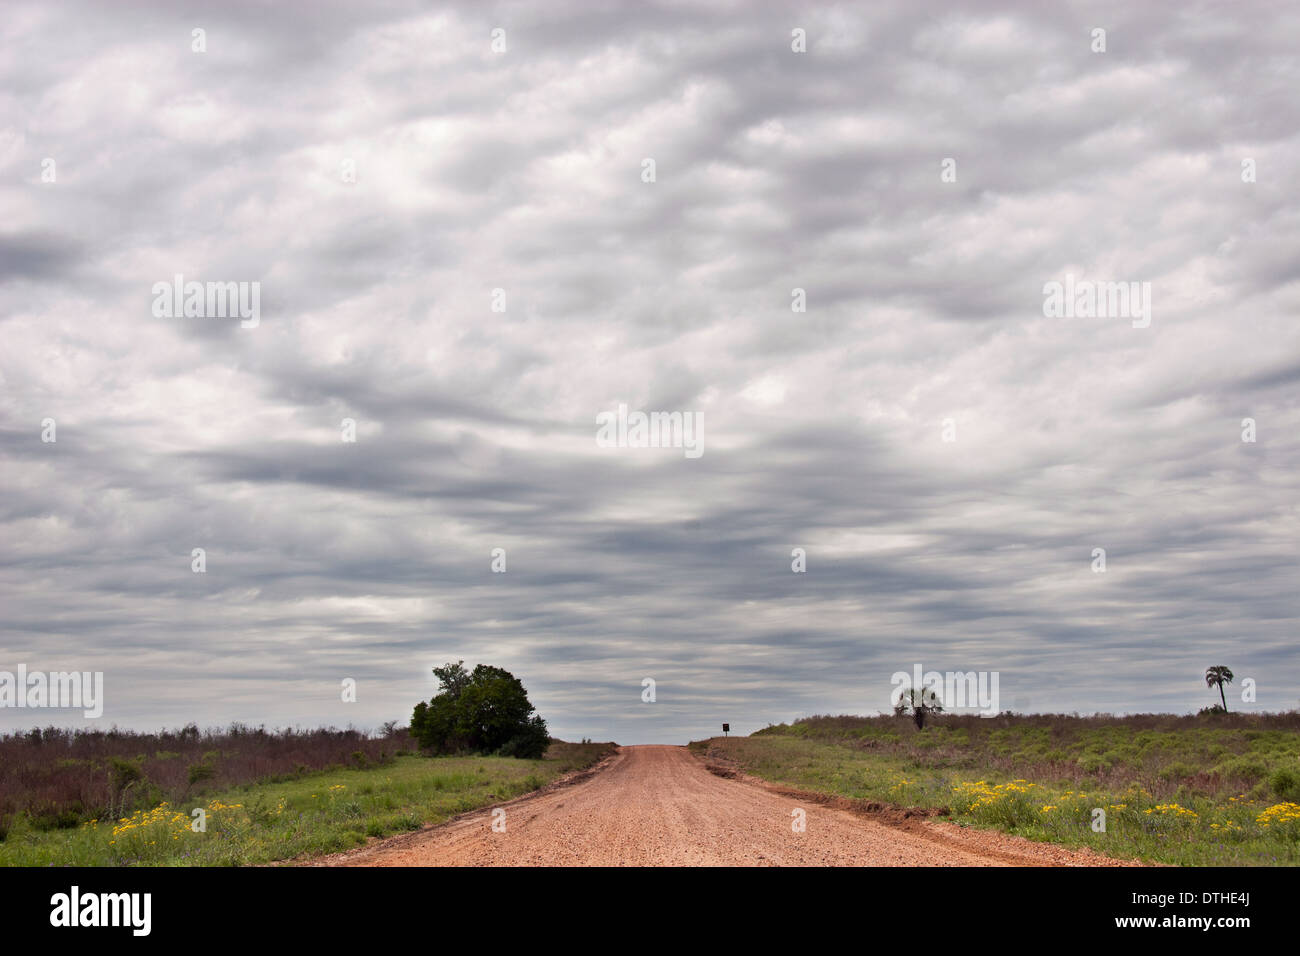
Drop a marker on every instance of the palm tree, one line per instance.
(921, 702)
(1219, 675)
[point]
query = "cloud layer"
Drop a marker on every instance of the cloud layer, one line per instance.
(522, 171)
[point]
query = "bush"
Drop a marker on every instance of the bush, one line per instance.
(1243, 768)
(530, 743)
(123, 772)
(1177, 771)
(47, 816)
(123, 775)
(1092, 763)
(1285, 783)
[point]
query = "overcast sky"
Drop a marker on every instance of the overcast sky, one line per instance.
(523, 170)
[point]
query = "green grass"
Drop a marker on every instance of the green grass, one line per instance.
(318, 813)
(1174, 790)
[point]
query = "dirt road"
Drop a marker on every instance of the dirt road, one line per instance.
(660, 806)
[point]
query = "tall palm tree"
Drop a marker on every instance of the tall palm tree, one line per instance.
(1219, 675)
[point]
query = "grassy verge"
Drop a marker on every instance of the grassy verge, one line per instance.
(316, 813)
(1172, 791)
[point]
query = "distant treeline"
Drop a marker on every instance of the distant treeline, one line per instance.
(62, 778)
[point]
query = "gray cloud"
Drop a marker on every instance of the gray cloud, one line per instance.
(521, 171)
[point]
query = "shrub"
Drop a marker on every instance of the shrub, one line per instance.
(530, 743)
(1244, 768)
(1285, 783)
(49, 816)
(1092, 763)
(123, 772)
(1177, 771)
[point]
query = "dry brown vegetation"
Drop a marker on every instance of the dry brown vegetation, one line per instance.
(61, 778)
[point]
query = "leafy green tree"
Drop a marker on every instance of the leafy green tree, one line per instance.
(452, 677)
(1219, 675)
(485, 711)
(419, 720)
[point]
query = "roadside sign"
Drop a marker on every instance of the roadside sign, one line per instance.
(725, 728)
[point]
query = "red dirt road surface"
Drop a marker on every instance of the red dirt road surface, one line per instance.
(660, 806)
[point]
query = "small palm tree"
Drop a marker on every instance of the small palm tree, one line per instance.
(1219, 675)
(920, 703)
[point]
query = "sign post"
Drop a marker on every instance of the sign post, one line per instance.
(725, 729)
